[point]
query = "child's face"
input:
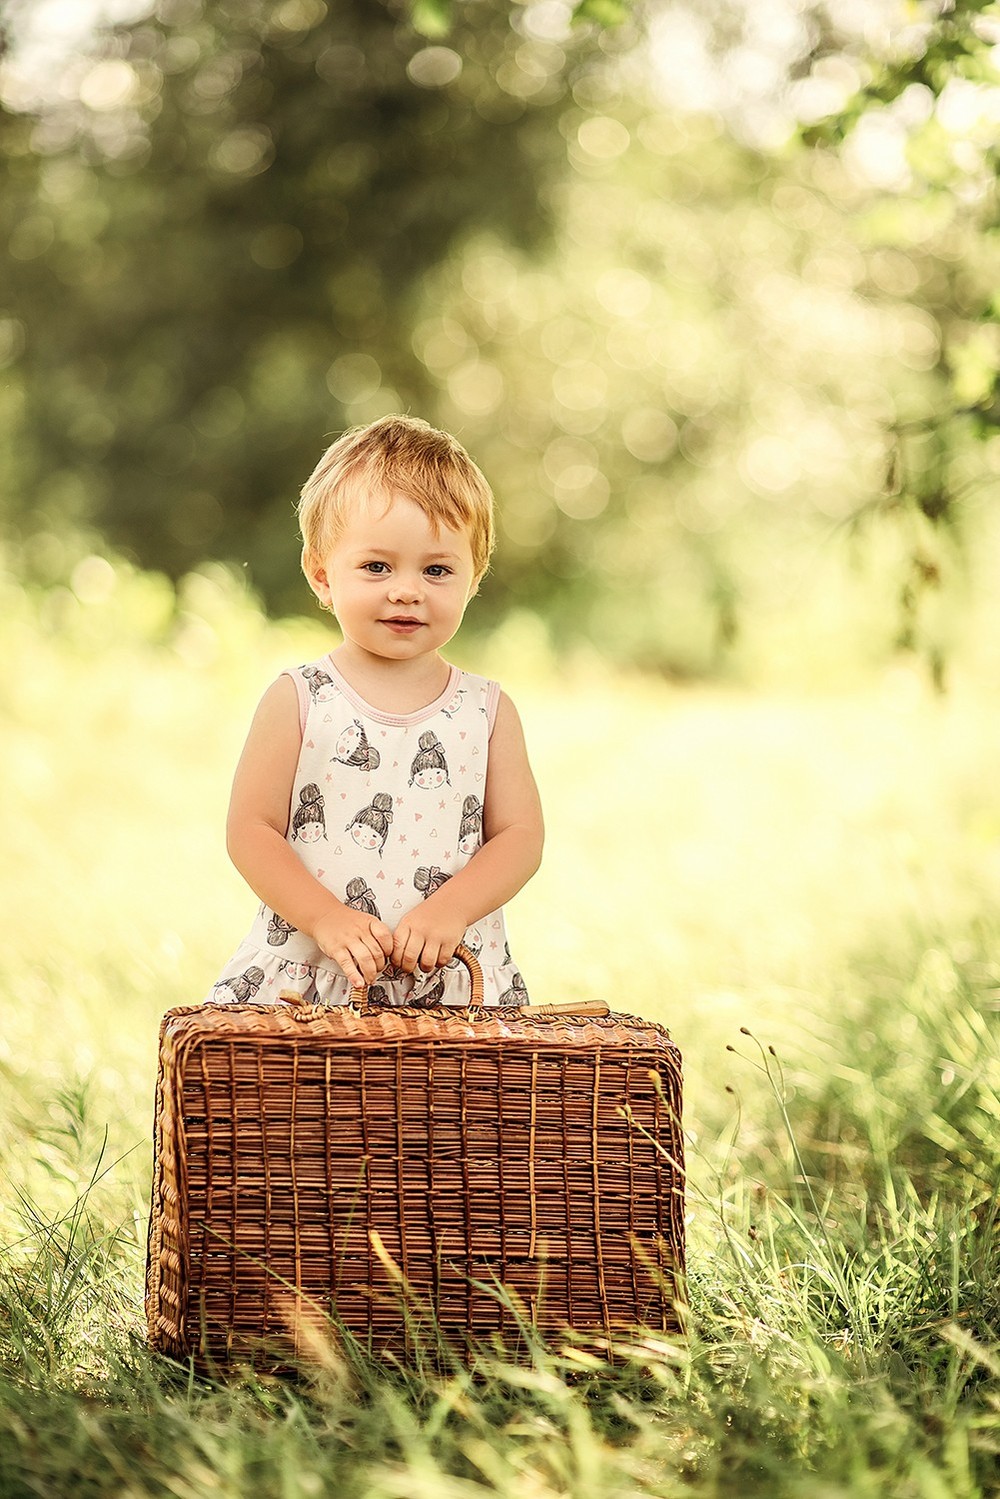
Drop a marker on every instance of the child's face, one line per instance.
(398, 587)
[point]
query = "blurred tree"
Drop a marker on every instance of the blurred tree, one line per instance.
(927, 121)
(680, 337)
(212, 246)
(679, 391)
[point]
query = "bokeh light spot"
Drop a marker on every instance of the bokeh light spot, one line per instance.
(603, 138)
(624, 292)
(440, 343)
(12, 338)
(342, 65)
(565, 453)
(434, 67)
(476, 387)
(93, 580)
(244, 152)
(296, 16)
(276, 247)
(527, 524)
(107, 85)
(354, 377)
(548, 20)
(580, 386)
(31, 237)
(770, 464)
(582, 493)
(650, 435)
(875, 152)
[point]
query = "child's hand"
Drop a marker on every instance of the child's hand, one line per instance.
(360, 943)
(427, 937)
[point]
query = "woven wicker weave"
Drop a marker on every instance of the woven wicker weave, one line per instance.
(312, 1157)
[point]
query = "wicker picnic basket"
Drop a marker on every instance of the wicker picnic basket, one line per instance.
(350, 1165)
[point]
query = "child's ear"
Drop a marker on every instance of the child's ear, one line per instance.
(316, 577)
(474, 589)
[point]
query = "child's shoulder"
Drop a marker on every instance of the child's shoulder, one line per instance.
(467, 687)
(321, 668)
(319, 683)
(471, 681)
(315, 684)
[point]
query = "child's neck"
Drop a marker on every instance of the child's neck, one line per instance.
(392, 686)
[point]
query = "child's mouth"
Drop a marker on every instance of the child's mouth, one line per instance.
(403, 626)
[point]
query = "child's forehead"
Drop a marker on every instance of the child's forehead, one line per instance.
(377, 504)
(371, 511)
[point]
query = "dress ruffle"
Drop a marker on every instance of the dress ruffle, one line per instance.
(255, 976)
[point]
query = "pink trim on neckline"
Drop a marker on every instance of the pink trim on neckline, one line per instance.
(378, 714)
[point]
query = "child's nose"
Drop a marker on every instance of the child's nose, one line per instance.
(404, 589)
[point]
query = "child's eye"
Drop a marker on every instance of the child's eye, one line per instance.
(375, 567)
(438, 570)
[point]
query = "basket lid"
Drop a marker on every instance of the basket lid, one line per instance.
(448, 1025)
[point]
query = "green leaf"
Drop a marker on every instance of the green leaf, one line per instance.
(432, 18)
(603, 12)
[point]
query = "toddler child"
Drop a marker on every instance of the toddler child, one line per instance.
(383, 809)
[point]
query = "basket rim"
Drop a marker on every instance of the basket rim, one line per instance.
(445, 1025)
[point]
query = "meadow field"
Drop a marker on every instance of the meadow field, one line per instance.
(798, 874)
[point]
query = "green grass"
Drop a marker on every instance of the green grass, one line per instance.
(809, 878)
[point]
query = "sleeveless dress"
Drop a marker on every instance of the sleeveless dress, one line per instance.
(385, 807)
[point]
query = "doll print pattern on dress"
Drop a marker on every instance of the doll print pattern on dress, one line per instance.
(385, 809)
(278, 929)
(429, 770)
(352, 748)
(308, 821)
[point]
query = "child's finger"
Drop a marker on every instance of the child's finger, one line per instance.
(406, 950)
(383, 936)
(360, 965)
(371, 960)
(351, 971)
(430, 957)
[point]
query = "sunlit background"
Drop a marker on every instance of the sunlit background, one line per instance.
(710, 292)
(696, 333)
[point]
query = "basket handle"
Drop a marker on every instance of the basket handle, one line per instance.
(564, 1007)
(359, 996)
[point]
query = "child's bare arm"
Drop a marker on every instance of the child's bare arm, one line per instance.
(512, 829)
(259, 810)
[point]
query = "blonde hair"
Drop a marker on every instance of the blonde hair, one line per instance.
(397, 455)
